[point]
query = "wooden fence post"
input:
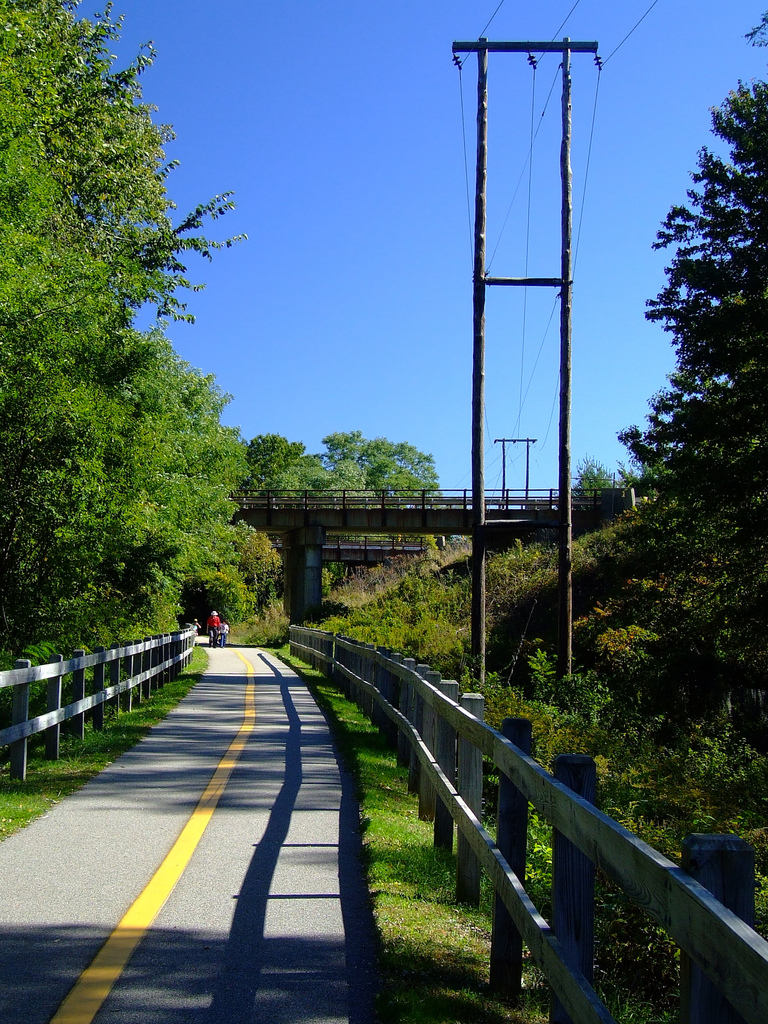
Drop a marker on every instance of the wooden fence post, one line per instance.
(368, 674)
(19, 714)
(386, 684)
(470, 787)
(512, 840)
(97, 714)
(428, 719)
(157, 654)
(53, 703)
(114, 679)
(415, 709)
(329, 644)
(77, 722)
(403, 704)
(137, 660)
(163, 675)
(724, 864)
(357, 671)
(394, 700)
(381, 682)
(333, 675)
(174, 652)
(128, 672)
(573, 881)
(146, 665)
(445, 755)
(339, 662)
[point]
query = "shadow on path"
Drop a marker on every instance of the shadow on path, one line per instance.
(291, 978)
(289, 957)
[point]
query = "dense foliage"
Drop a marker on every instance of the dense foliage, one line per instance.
(646, 702)
(114, 468)
(705, 446)
(349, 462)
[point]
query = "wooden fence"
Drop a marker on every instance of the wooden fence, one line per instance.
(90, 680)
(706, 906)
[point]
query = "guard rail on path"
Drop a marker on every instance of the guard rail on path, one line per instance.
(140, 666)
(706, 906)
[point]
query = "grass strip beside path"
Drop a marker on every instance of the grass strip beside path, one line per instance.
(48, 782)
(434, 953)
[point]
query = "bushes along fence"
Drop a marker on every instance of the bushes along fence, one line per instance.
(707, 909)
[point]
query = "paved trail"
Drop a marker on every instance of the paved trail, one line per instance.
(269, 920)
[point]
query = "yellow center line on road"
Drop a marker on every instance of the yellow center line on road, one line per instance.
(95, 983)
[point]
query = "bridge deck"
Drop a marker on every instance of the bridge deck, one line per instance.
(407, 512)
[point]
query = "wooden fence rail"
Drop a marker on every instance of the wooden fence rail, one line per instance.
(139, 665)
(724, 961)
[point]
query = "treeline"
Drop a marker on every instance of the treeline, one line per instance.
(115, 469)
(348, 461)
(114, 466)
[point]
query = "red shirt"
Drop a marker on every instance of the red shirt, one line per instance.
(214, 622)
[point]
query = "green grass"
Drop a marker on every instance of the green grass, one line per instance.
(48, 782)
(434, 953)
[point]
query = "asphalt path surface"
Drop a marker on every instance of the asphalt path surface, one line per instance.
(270, 919)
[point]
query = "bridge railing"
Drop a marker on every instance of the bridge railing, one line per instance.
(442, 739)
(90, 680)
(507, 499)
(347, 543)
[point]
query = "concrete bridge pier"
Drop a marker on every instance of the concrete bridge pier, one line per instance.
(302, 570)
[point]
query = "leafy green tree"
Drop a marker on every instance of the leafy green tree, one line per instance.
(706, 441)
(260, 565)
(592, 475)
(707, 431)
(349, 462)
(113, 462)
(269, 455)
(386, 465)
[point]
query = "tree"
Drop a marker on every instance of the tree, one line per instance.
(108, 489)
(592, 475)
(758, 36)
(349, 462)
(708, 430)
(259, 564)
(385, 465)
(706, 441)
(269, 455)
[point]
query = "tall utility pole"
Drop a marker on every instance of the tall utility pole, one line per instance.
(478, 375)
(565, 585)
(564, 283)
(527, 441)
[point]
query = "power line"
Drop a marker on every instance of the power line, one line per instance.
(626, 37)
(586, 171)
(522, 172)
(551, 414)
(493, 16)
(538, 356)
(532, 61)
(458, 64)
(567, 17)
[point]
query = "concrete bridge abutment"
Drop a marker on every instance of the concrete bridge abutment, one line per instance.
(302, 570)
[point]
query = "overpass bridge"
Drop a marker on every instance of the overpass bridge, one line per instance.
(367, 550)
(305, 519)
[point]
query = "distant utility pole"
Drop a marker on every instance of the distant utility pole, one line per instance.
(565, 284)
(527, 441)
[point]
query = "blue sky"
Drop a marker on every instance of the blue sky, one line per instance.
(338, 126)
